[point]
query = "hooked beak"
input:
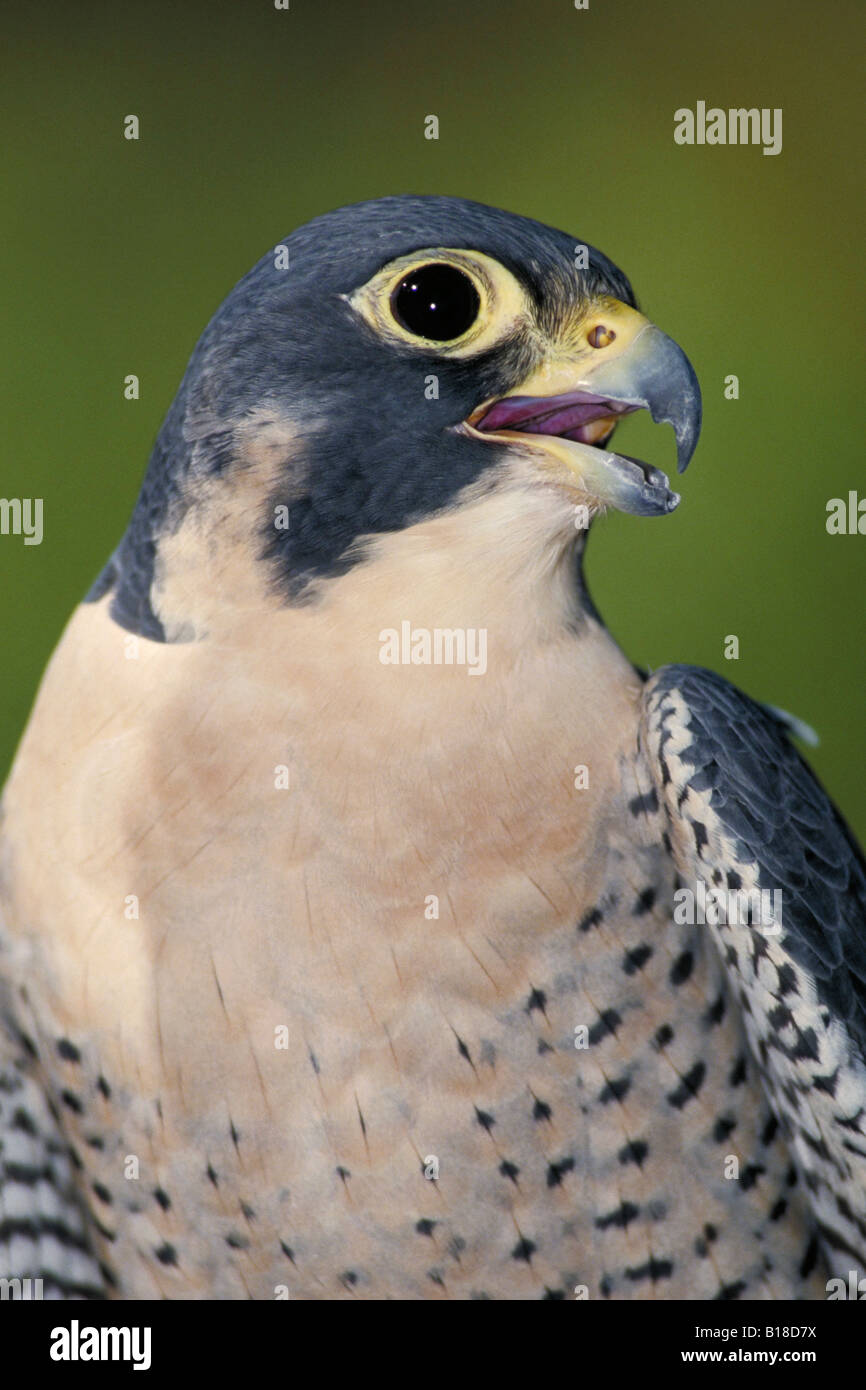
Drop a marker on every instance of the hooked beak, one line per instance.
(613, 361)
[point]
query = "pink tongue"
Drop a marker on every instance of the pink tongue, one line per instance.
(565, 414)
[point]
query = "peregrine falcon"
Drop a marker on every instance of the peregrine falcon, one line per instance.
(371, 927)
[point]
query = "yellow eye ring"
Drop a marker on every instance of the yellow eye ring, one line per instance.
(486, 302)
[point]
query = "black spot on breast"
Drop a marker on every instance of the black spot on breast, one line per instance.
(734, 880)
(715, 1013)
(778, 1209)
(102, 1193)
(544, 1046)
(104, 1087)
(212, 1175)
(606, 1026)
(247, 1212)
(557, 1171)
(349, 1278)
(723, 1127)
(728, 1292)
(636, 959)
(688, 1087)
(436, 1277)
(67, 1050)
(770, 1130)
(663, 1036)
(653, 1269)
(541, 1110)
(162, 1198)
(23, 1122)
(536, 1000)
(166, 1254)
(590, 919)
(644, 902)
(645, 805)
(344, 1174)
(681, 968)
(425, 1226)
(287, 1251)
(314, 1061)
(557, 1294)
(635, 1151)
(236, 1241)
(236, 1138)
(72, 1102)
(509, 1170)
(738, 1072)
(750, 1175)
(485, 1119)
(699, 831)
(615, 1090)
(29, 1175)
(621, 1217)
(524, 1250)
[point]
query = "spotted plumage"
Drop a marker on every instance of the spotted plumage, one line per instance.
(328, 977)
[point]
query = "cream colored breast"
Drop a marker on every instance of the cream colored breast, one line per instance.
(266, 879)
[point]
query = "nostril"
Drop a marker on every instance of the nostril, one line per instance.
(600, 336)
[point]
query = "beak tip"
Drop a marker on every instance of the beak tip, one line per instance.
(688, 427)
(657, 374)
(685, 453)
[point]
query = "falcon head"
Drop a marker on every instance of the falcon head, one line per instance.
(392, 359)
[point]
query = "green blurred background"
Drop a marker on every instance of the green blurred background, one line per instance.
(254, 120)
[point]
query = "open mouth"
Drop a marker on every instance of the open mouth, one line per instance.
(587, 419)
(577, 415)
(566, 431)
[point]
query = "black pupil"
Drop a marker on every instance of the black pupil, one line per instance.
(436, 301)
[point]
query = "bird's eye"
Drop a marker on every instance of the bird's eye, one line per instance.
(438, 302)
